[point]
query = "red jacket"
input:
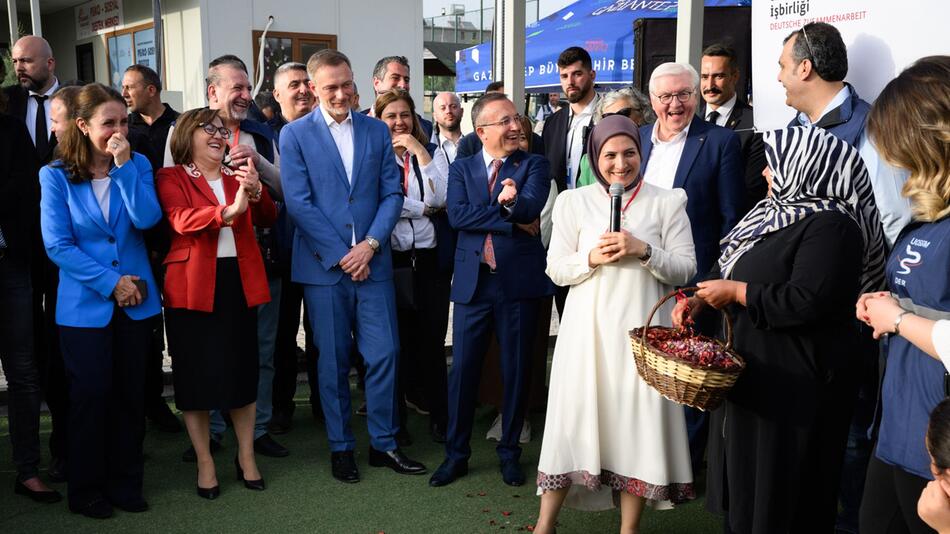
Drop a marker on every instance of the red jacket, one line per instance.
(194, 216)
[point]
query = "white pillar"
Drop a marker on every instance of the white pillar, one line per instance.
(689, 32)
(14, 23)
(35, 14)
(508, 49)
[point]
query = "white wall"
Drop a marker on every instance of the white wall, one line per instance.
(366, 30)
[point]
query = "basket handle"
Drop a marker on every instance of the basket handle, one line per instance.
(656, 307)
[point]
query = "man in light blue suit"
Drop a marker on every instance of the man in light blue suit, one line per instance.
(493, 197)
(343, 192)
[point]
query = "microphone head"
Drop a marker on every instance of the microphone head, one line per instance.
(616, 189)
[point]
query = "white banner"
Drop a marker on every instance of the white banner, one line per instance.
(883, 37)
(97, 16)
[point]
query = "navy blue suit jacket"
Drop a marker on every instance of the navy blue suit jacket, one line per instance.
(326, 208)
(519, 256)
(712, 174)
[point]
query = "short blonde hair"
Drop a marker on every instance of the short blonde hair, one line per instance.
(910, 127)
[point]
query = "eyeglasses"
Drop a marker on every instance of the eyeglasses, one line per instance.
(811, 52)
(506, 122)
(682, 96)
(626, 112)
(211, 129)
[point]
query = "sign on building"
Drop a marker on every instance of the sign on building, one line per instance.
(96, 16)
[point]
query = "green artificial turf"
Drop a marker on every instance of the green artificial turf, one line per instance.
(301, 495)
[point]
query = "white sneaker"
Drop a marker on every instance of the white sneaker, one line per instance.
(494, 433)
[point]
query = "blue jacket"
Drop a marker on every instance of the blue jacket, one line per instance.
(917, 274)
(712, 173)
(847, 121)
(519, 256)
(92, 254)
(325, 208)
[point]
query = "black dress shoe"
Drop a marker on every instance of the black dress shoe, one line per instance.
(46, 497)
(437, 430)
(343, 466)
(257, 485)
(395, 460)
(266, 446)
(280, 423)
(209, 493)
(57, 470)
(162, 418)
(361, 410)
(190, 456)
(97, 509)
(134, 506)
(403, 438)
(511, 473)
(448, 472)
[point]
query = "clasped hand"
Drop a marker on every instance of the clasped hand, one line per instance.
(356, 261)
(126, 293)
(615, 245)
(878, 310)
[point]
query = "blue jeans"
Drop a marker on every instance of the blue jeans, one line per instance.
(267, 316)
(19, 365)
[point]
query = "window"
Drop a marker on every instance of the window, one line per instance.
(129, 46)
(281, 47)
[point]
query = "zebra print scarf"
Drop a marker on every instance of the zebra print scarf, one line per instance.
(812, 171)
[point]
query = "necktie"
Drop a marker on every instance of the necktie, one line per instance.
(41, 139)
(3, 242)
(713, 117)
(488, 254)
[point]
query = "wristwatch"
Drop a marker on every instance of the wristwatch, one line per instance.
(647, 254)
(897, 322)
(372, 242)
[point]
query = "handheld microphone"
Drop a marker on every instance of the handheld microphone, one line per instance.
(616, 193)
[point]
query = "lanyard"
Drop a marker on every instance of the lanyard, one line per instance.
(405, 172)
(636, 191)
(237, 138)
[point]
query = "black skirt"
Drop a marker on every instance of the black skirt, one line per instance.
(214, 355)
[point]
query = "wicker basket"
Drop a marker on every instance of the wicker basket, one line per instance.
(678, 380)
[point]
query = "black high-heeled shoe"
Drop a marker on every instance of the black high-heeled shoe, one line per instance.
(208, 493)
(257, 485)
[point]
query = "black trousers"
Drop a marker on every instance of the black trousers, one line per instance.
(889, 505)
(285, 348)
(19, 365)
(422, 367)
(45, 278)
(154, 372)
(106, 370)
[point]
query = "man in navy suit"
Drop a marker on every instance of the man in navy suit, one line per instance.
(683, 150)
(393, 72)
(499, 279)
(344, 195)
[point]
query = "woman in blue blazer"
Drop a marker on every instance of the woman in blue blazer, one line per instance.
(97, 198)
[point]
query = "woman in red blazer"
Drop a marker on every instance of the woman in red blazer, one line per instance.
(213, 282)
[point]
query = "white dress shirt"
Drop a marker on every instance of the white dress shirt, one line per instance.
(100, 187)
(447, 146)
(724, 110)
(414, 229)
(575, 139)
(665, 158)
(342, 133)
(226, 247)
(31, 111)
(886, 181)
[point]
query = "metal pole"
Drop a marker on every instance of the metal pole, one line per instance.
(456, 28)
(508, 44)
(689, 32)
(35, 16)
(481, 21)
(158, 39)
(14, 23)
